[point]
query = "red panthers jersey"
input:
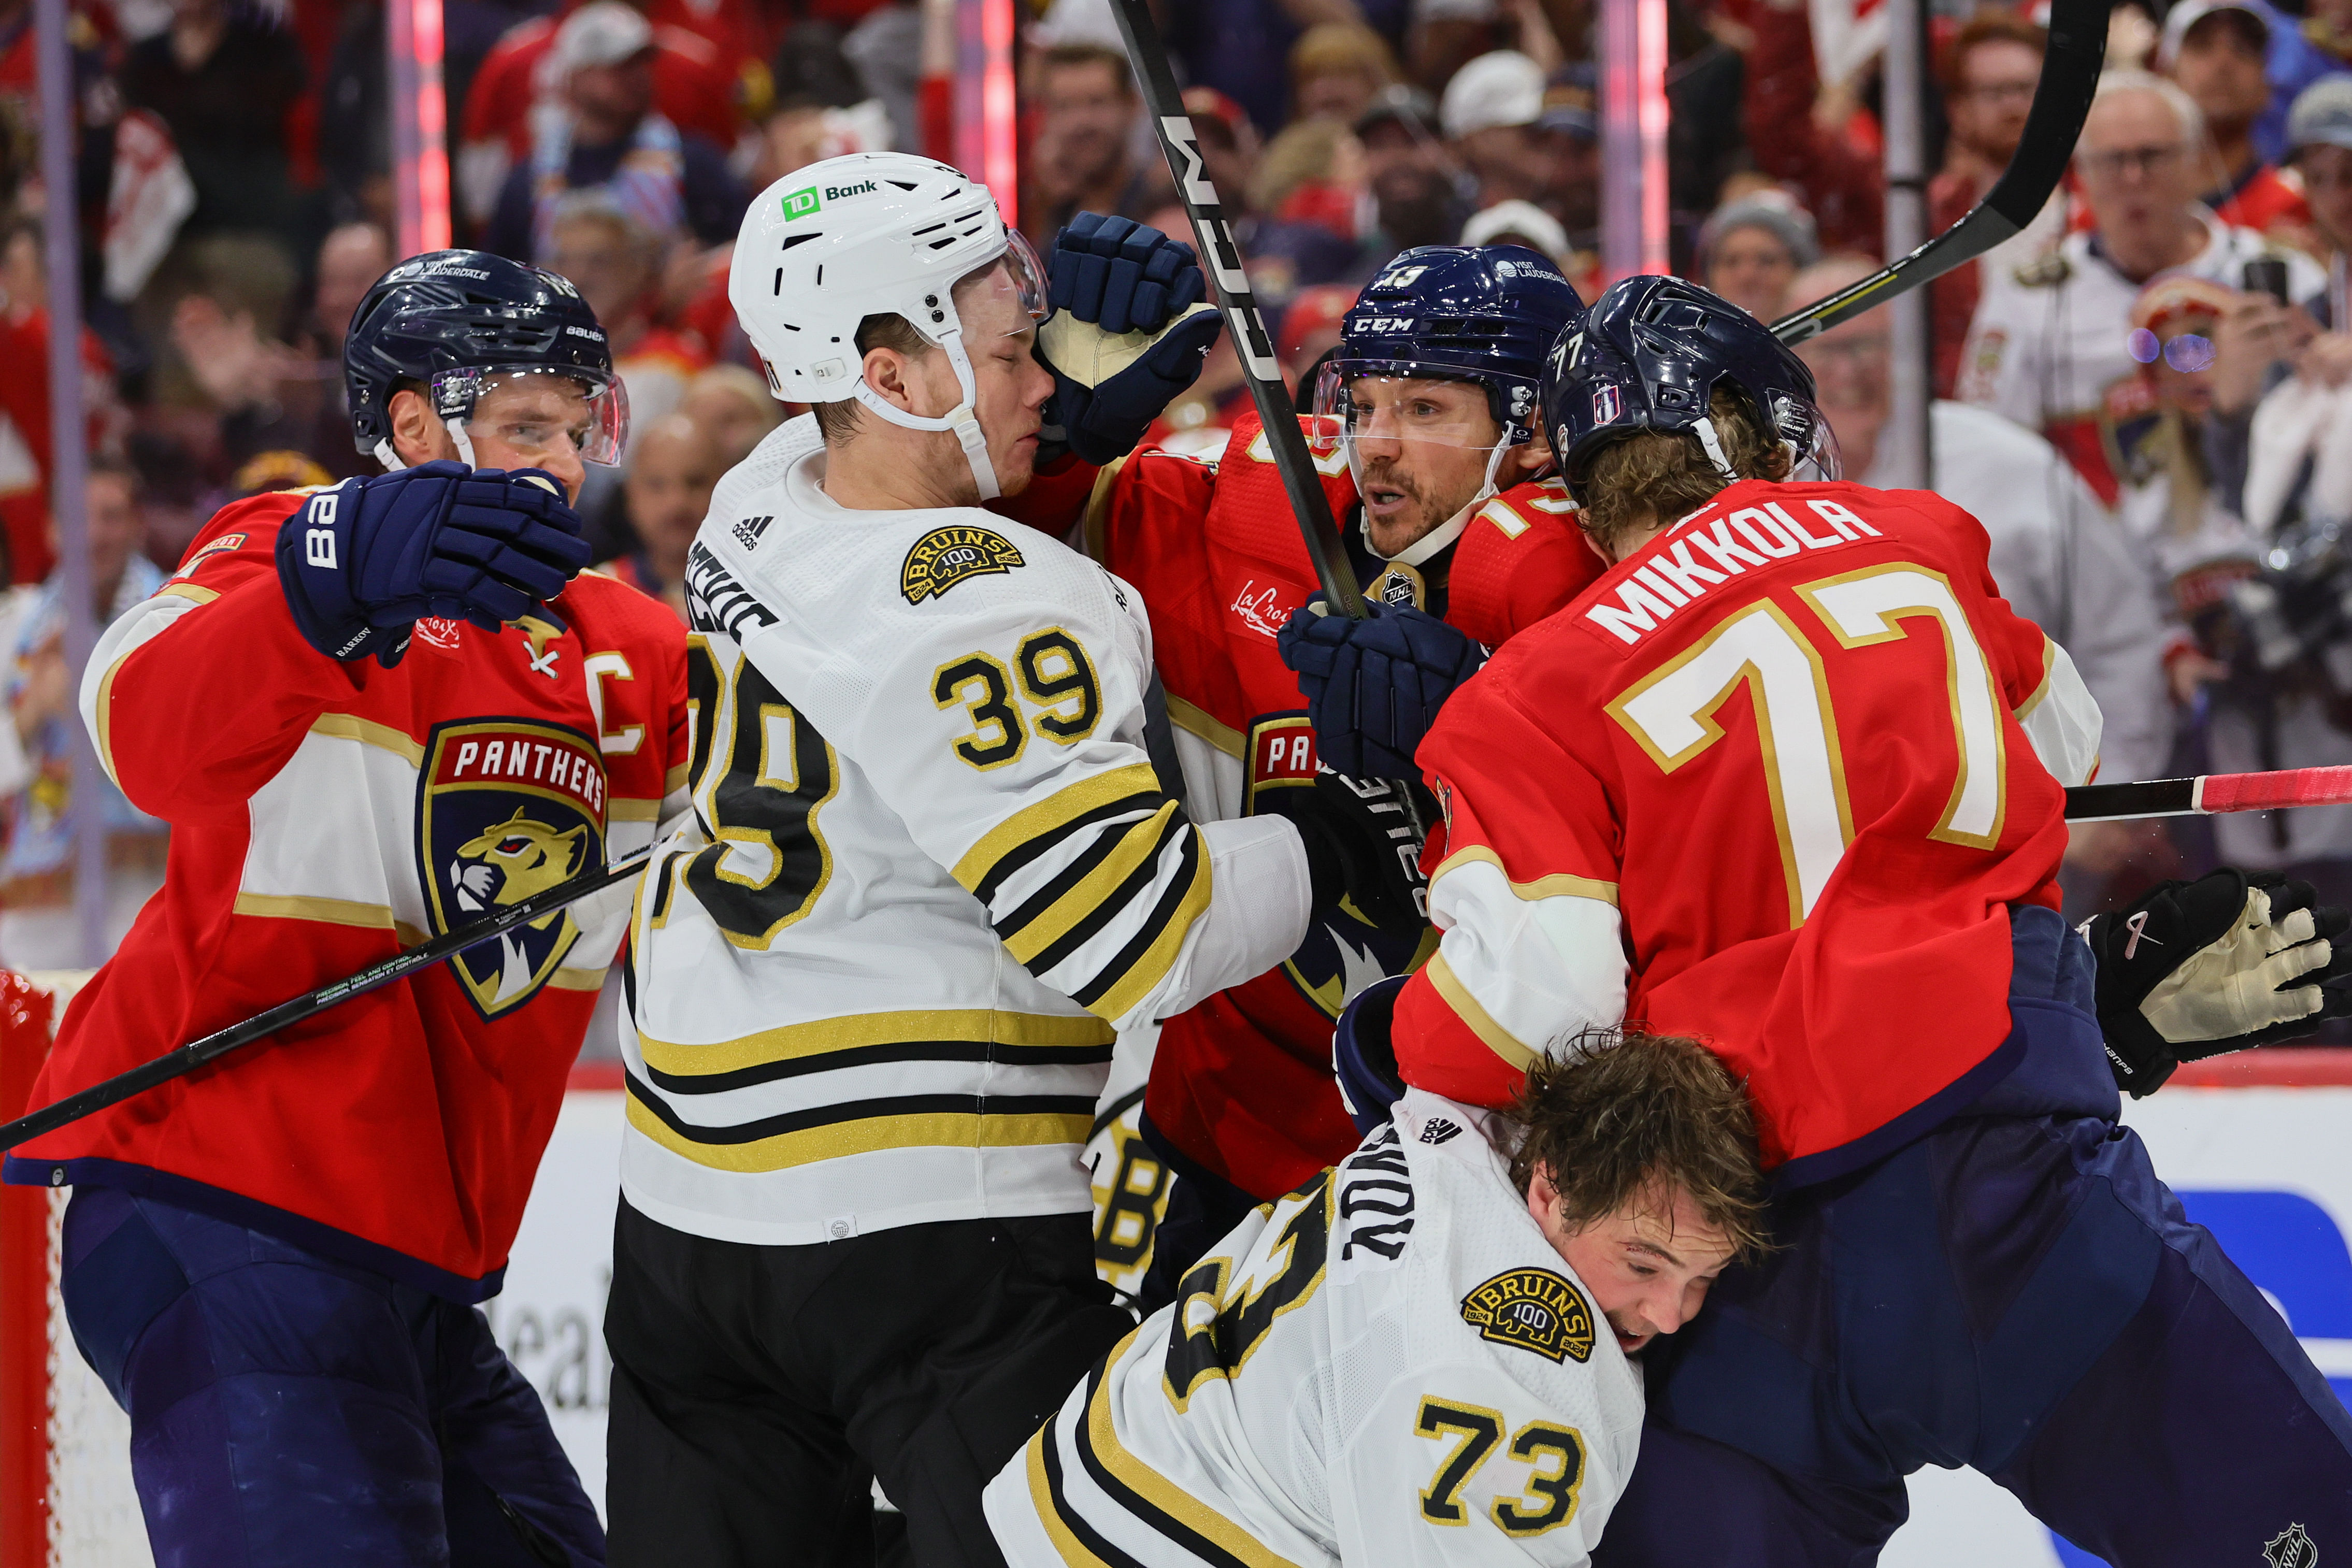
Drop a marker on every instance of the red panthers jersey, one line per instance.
(1774, 781)
(324, 816)
(1241, 1084)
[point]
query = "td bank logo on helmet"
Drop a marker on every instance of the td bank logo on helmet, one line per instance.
(801, 203)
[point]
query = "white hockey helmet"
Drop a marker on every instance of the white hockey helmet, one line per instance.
(871, 233)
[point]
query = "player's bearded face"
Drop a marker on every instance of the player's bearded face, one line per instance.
(1420, 451)
(1648, 1264)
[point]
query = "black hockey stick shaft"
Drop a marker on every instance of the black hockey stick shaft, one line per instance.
(2070, 76)
(186, 1059)
(1222, 259)
(2210, 794)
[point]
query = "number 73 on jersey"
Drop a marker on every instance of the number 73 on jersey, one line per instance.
(1671, 712)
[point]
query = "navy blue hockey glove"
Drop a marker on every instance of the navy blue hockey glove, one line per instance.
(362, 562)
(1363, 1055)
(1360, 846)
(1128, 333)
(1374, 687)
(2196, 968)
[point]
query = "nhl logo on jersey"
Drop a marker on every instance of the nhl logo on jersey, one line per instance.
(2291, 1548)
(1534, 1309)
(505, 809)
(945, 556)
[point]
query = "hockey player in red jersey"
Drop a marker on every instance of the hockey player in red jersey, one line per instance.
(1788, 778)
(1436, 473)
(371, 713)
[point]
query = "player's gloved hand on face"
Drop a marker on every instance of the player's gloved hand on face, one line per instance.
(1126, 335)
(1363, 1055)
(360, 563)
(1374, 686)
(2232, 960)
(1360, 846)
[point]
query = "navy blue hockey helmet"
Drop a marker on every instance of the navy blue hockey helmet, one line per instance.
(1487, 314)
(1651, 354)
(451, 321)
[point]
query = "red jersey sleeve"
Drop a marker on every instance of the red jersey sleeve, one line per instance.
(198, 697)
(1526, 896)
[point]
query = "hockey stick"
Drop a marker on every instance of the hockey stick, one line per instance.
(2210, 794)
(1214, 239)
(2070, 75)
(187, 1058)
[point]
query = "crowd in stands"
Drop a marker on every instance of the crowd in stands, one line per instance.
(2143, 395)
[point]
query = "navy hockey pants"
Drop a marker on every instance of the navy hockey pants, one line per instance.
(288, 1408)
(2016, 1292)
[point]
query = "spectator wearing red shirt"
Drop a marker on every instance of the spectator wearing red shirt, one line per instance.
(2216, 51)
(1818, 144)
(1987, 74)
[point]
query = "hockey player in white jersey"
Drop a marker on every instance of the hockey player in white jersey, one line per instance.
(932, 873)
(1420, 1357)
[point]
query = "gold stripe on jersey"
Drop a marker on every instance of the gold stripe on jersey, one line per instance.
(327, 912)
(1144, 962)
(1082, 1036)
(2049, 669)
(367, 732)
(1103, 871)
(1558, 884)
(850, 1132)
(1152, 1498)
(626, 811)
(189, 592)
(571, 979)
(1198, 721)
(1473, 1014)
(1033, 829)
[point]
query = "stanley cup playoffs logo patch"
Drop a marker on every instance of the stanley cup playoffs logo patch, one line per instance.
(505, 809)
(945, 556)
(1533, 1310)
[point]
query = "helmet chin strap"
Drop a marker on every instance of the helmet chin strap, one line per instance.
(963, 419)
(1704, 429)
(1447, 532)
(385, 455)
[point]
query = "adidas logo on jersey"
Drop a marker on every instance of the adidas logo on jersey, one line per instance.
(747, 530)
(1438, 1130)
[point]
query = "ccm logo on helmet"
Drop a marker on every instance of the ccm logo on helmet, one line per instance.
(1388, 324)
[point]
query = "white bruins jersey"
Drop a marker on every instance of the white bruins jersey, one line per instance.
(1390, 1365)
(930, 872)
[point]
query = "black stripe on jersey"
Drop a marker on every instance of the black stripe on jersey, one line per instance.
(1178, 889)
(1077, 870)
(1145, 1511)
(859, 1110)
(1114, 904)
(1049, 1448)
(868, 1055)
(1144, 800)
(716, 601)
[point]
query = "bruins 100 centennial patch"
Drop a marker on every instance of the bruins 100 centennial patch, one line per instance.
(1532, 1309)
(945, 556)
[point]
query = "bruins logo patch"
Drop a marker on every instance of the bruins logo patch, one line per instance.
(945, 556)
(1531, 1309)
(506, 808)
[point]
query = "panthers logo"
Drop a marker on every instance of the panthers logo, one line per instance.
(507, 809)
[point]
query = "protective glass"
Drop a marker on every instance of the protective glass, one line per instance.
(1350, 407)
(1028, 274)
(515, 401)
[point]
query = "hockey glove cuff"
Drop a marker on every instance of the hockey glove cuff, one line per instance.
(1374, 686)
(1127, 335)
(360, 563)
(1363, 1055)
(1360, 846)
(2229, 961)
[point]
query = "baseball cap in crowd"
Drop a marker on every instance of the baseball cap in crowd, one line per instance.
(1402, 103)
(1505, 88)
(1567, 102)
(2322, 115)
(1770, 211)
(603, 34)
(1507, 221)
(2188, 13)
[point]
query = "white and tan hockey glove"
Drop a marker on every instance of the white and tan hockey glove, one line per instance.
(2197, 968)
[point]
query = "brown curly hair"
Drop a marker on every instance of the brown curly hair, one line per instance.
(1654, 477)
(1625, 1116)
